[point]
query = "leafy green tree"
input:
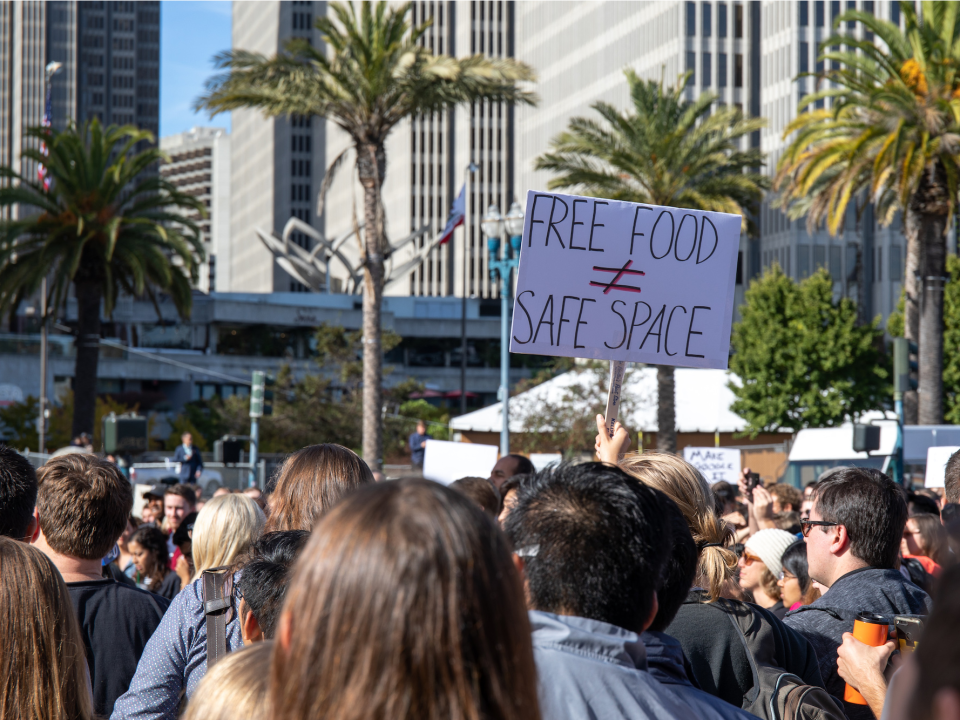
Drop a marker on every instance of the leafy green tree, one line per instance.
(889, 137)
(802, 359)
(372, 74)
(664, 151)
(106, 225)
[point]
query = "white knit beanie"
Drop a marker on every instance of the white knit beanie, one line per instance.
(769, 545)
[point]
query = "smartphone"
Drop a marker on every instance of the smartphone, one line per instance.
(753, 480)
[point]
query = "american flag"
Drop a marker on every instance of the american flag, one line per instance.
(47, 122)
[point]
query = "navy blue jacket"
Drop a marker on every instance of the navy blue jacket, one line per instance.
(416, 452)
(188, 468)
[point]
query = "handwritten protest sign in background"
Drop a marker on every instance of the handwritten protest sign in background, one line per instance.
(620, 281)
(715, 464)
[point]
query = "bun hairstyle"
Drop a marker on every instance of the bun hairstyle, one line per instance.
(684, 484)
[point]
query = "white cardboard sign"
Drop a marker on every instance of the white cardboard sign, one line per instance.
(615, 280)
(715, 463)
(444, 461)
(937, 465)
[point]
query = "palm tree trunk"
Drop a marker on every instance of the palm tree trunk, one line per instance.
(666, 410)
(88, 355)
(911, 303)
(934, 258)
(371, 166)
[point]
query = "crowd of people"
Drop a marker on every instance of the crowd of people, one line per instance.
(621, 588)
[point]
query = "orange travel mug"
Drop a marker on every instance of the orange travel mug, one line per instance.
(870, 629)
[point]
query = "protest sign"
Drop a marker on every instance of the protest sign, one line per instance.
(937, 465)
(714, 463)
(444, 461)
(625, 282)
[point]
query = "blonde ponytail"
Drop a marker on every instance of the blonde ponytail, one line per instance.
(684, 484)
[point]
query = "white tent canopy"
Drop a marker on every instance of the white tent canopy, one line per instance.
(702, 402)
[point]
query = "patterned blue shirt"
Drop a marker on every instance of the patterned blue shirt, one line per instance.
(175, 658)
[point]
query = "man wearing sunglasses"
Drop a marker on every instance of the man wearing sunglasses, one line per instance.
(853, 543)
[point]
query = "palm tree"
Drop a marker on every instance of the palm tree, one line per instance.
(667, 151)
(891, 138)
(105, 224)
(372, 75)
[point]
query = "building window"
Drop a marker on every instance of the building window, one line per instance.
(691, 65)
(738, 20)
(819, 256)
(738, 70)
(834, 10)
(896, 263)
(804, 7)
(803, 261)
(722, 70)
(691, 19)
(804, 57)
(868, 9)
(818, 13)
(707, 19)
(851, 5)
(705, 72)
(835, 272)
(722, 20)
(895, 13)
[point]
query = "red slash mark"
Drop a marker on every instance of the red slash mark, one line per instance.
(620, 272)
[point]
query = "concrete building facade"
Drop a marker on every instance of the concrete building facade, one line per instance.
(277, 163)
(199, 165)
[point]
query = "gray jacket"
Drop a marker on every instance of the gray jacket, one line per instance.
(824, 621)
(592, 670)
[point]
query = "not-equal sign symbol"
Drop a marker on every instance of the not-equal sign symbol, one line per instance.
(620, 272)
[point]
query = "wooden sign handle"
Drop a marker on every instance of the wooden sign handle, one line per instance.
(617, 369)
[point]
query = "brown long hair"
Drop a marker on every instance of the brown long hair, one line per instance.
(310, 482)
(933, 538)
(405, 605)
(43, 668)
(683, 483)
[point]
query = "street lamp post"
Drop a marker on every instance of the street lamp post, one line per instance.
(494, 225)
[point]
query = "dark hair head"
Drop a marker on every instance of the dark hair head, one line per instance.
(310, 482)
(934, 540)
(951, 478)
(266, 571)
(84, 503)
(918, 504)
(872, 509)
(593, 543)
(680, 568)
(184, 491)
(723, 493)
(18, 493)
(787, 495)
(405, 604)
(509, 484)
(524, 466)
(481, 491)
(794, 561)
(154, 541)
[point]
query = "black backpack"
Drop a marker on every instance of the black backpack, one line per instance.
(777, 694)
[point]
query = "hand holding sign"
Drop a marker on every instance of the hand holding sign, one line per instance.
(625, 282)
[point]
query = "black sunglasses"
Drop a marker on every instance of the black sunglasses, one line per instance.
(806, 525)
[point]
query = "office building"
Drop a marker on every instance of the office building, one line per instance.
(111, 62)
(276, 163)
(427, 160)
(23, 57)
(199, 165)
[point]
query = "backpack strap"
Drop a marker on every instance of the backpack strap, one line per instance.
(217, 602)
(754, 691)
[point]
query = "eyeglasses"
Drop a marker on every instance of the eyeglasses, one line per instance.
(237, 593)
(749, 557)
(805, 525)
(786, 576)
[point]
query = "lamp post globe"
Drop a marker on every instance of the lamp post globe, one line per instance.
(514, 220)
(492, 223)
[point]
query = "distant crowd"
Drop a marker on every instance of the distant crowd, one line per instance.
(622, 588)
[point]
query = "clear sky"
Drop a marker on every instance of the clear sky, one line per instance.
(191, 33)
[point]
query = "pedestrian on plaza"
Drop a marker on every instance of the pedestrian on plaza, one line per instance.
(404, 605)
(853, 540)
(43, 671)
(179, 501)
(593, 543)
(760, 567)
(510, 466)
(926, 541)
(418, 444)
(152, 511)
(508, 496)
(235, 688)
(307, 484)
(83, 504)
(18, 496)
(482, 492)
(796, 587)
(191, 464)
(124, 560)
(148, 546)
(224, 531)
(262, 586)
(807, 501)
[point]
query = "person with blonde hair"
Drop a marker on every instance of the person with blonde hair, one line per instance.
(43, 669)
(225, 529)
(235, 688)
(709, 623)
(307, 485)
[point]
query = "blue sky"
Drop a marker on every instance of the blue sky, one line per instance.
(191, 33)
